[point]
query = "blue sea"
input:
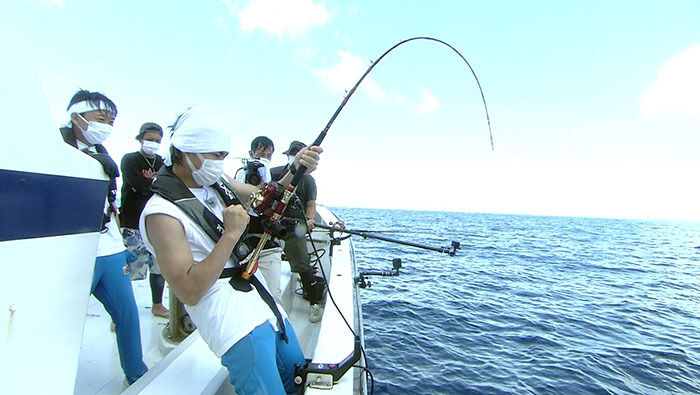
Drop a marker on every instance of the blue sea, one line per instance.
(531, 304)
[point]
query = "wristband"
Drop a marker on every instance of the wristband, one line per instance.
(293, 169)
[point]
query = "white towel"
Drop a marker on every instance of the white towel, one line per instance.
(199, 130)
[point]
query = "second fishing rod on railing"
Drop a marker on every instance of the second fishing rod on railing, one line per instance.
(451, 250)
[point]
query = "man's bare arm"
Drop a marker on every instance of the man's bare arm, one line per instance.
(307, 156)
(190, 281)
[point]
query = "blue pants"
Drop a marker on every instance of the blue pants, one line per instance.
(112, 287)
(262, 363)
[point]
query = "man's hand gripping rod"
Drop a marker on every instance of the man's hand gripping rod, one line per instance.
(260, 202)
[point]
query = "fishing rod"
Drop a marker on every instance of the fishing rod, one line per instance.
(266, 200)
(451, 250)
(375, 230)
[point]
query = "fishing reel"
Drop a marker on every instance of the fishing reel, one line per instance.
(265, 202)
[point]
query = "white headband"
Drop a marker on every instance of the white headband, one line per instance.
(81, 107)
(198, 131)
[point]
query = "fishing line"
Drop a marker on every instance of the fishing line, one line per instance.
(265, 196)
(313, 262)
(330, 294)
(321, 136)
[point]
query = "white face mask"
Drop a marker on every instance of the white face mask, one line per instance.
(96, 132)
(291, 161)
(210, 171)
(150, 147)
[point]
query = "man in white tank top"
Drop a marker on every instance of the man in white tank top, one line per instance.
(239, 327)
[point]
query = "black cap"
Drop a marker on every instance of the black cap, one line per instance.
(294, 146)
(149, 127)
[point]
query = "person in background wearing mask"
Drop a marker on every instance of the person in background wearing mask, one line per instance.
(295, 242)
(91, 116)
(138, 171)
(194, 223)
(257, 172)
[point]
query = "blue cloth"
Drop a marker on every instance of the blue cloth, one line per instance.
(263, 363)
(131, 256)
(141, 259)
(111, 285)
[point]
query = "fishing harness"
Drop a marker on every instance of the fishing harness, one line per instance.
(170, 187)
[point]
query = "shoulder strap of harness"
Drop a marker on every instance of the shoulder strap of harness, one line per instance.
(169, 186)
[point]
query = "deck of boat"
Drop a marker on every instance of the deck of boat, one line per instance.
(99, 371)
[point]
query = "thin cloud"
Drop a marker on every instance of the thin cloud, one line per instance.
(220, 23)
(281, 17)
(232, 8)
(677, 89)
(428, 102)
(304, 54)
(344, 75)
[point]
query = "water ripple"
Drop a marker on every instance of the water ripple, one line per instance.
(533, 305)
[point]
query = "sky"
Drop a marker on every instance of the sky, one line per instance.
(594, 105)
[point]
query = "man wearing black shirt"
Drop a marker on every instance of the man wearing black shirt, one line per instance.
(138, 170)
(295, 245)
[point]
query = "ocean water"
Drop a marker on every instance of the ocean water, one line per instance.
(544, 305)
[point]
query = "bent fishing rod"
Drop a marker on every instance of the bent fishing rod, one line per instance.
(451, 250)
(267, 199)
